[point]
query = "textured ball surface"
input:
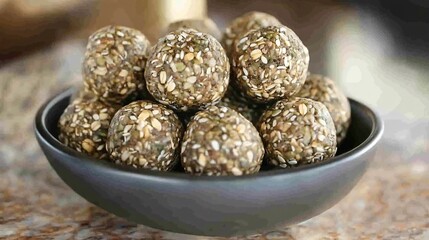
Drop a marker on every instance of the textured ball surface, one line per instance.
(297, 132)
(84, 125)
(270, 64)
(144, 134)
(220, 141)
(188, 70)
(114, 63)
(245, 23)
(324, 90)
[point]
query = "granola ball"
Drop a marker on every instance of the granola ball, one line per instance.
(324, 90)
(205, 25)
(144, 134)
(243, 24)
(249, 110)
(83, 127)
(270, 64)
(220, 141)
(187, 70)
(114, 62)
(297, 132)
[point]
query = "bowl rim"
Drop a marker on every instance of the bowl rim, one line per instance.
(46, 137)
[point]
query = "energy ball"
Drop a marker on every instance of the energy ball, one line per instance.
(83, 127)
(188, 70)
(297, 132)
(205, 25)
(270, 64)
(220, 141)
(245, 23)
(324, 90)
(114, 62)
(144, 134)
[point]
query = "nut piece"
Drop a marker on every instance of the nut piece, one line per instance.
(187, 70)
(243, 24)
(270, 64)
(83, 126)
(220, 141)
(114, 60)
(324, 90)
(144, 134)
(297, 132)
(205, 25)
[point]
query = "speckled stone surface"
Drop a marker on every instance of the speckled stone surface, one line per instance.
(390, 202)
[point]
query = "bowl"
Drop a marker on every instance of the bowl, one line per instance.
(212, 206)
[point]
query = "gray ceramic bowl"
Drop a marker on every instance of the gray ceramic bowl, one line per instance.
(216, 206)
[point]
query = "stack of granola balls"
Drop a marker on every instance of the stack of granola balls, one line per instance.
(208, 103)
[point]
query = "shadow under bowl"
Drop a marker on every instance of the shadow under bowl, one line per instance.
(212, 206)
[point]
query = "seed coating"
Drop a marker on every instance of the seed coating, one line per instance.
(82, 129)
(323, 89)
(270, 63)
(144, 134)
(220, 141)
(293, 136)
(238, 27)
(114, 61)
(188, 70)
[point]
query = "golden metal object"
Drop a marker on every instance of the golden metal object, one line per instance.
(157, 14)
(149, 16)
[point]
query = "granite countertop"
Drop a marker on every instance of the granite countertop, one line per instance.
(390, 202)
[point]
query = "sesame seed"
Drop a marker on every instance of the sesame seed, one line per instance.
(302, 109)
(144, 115)
(236, 171)
(171, 86)
(163, 77)
(125, 155)
(276, 112)
(255, 54)
(215, 145)
(202, 161)
(212, 62)
(189, 56)
(127, 128)
(95, 125)
(88, 145)
(187, 85)
(245, 72)
(191, 79)
(123, 73)
(170, 37)
(156, 124)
